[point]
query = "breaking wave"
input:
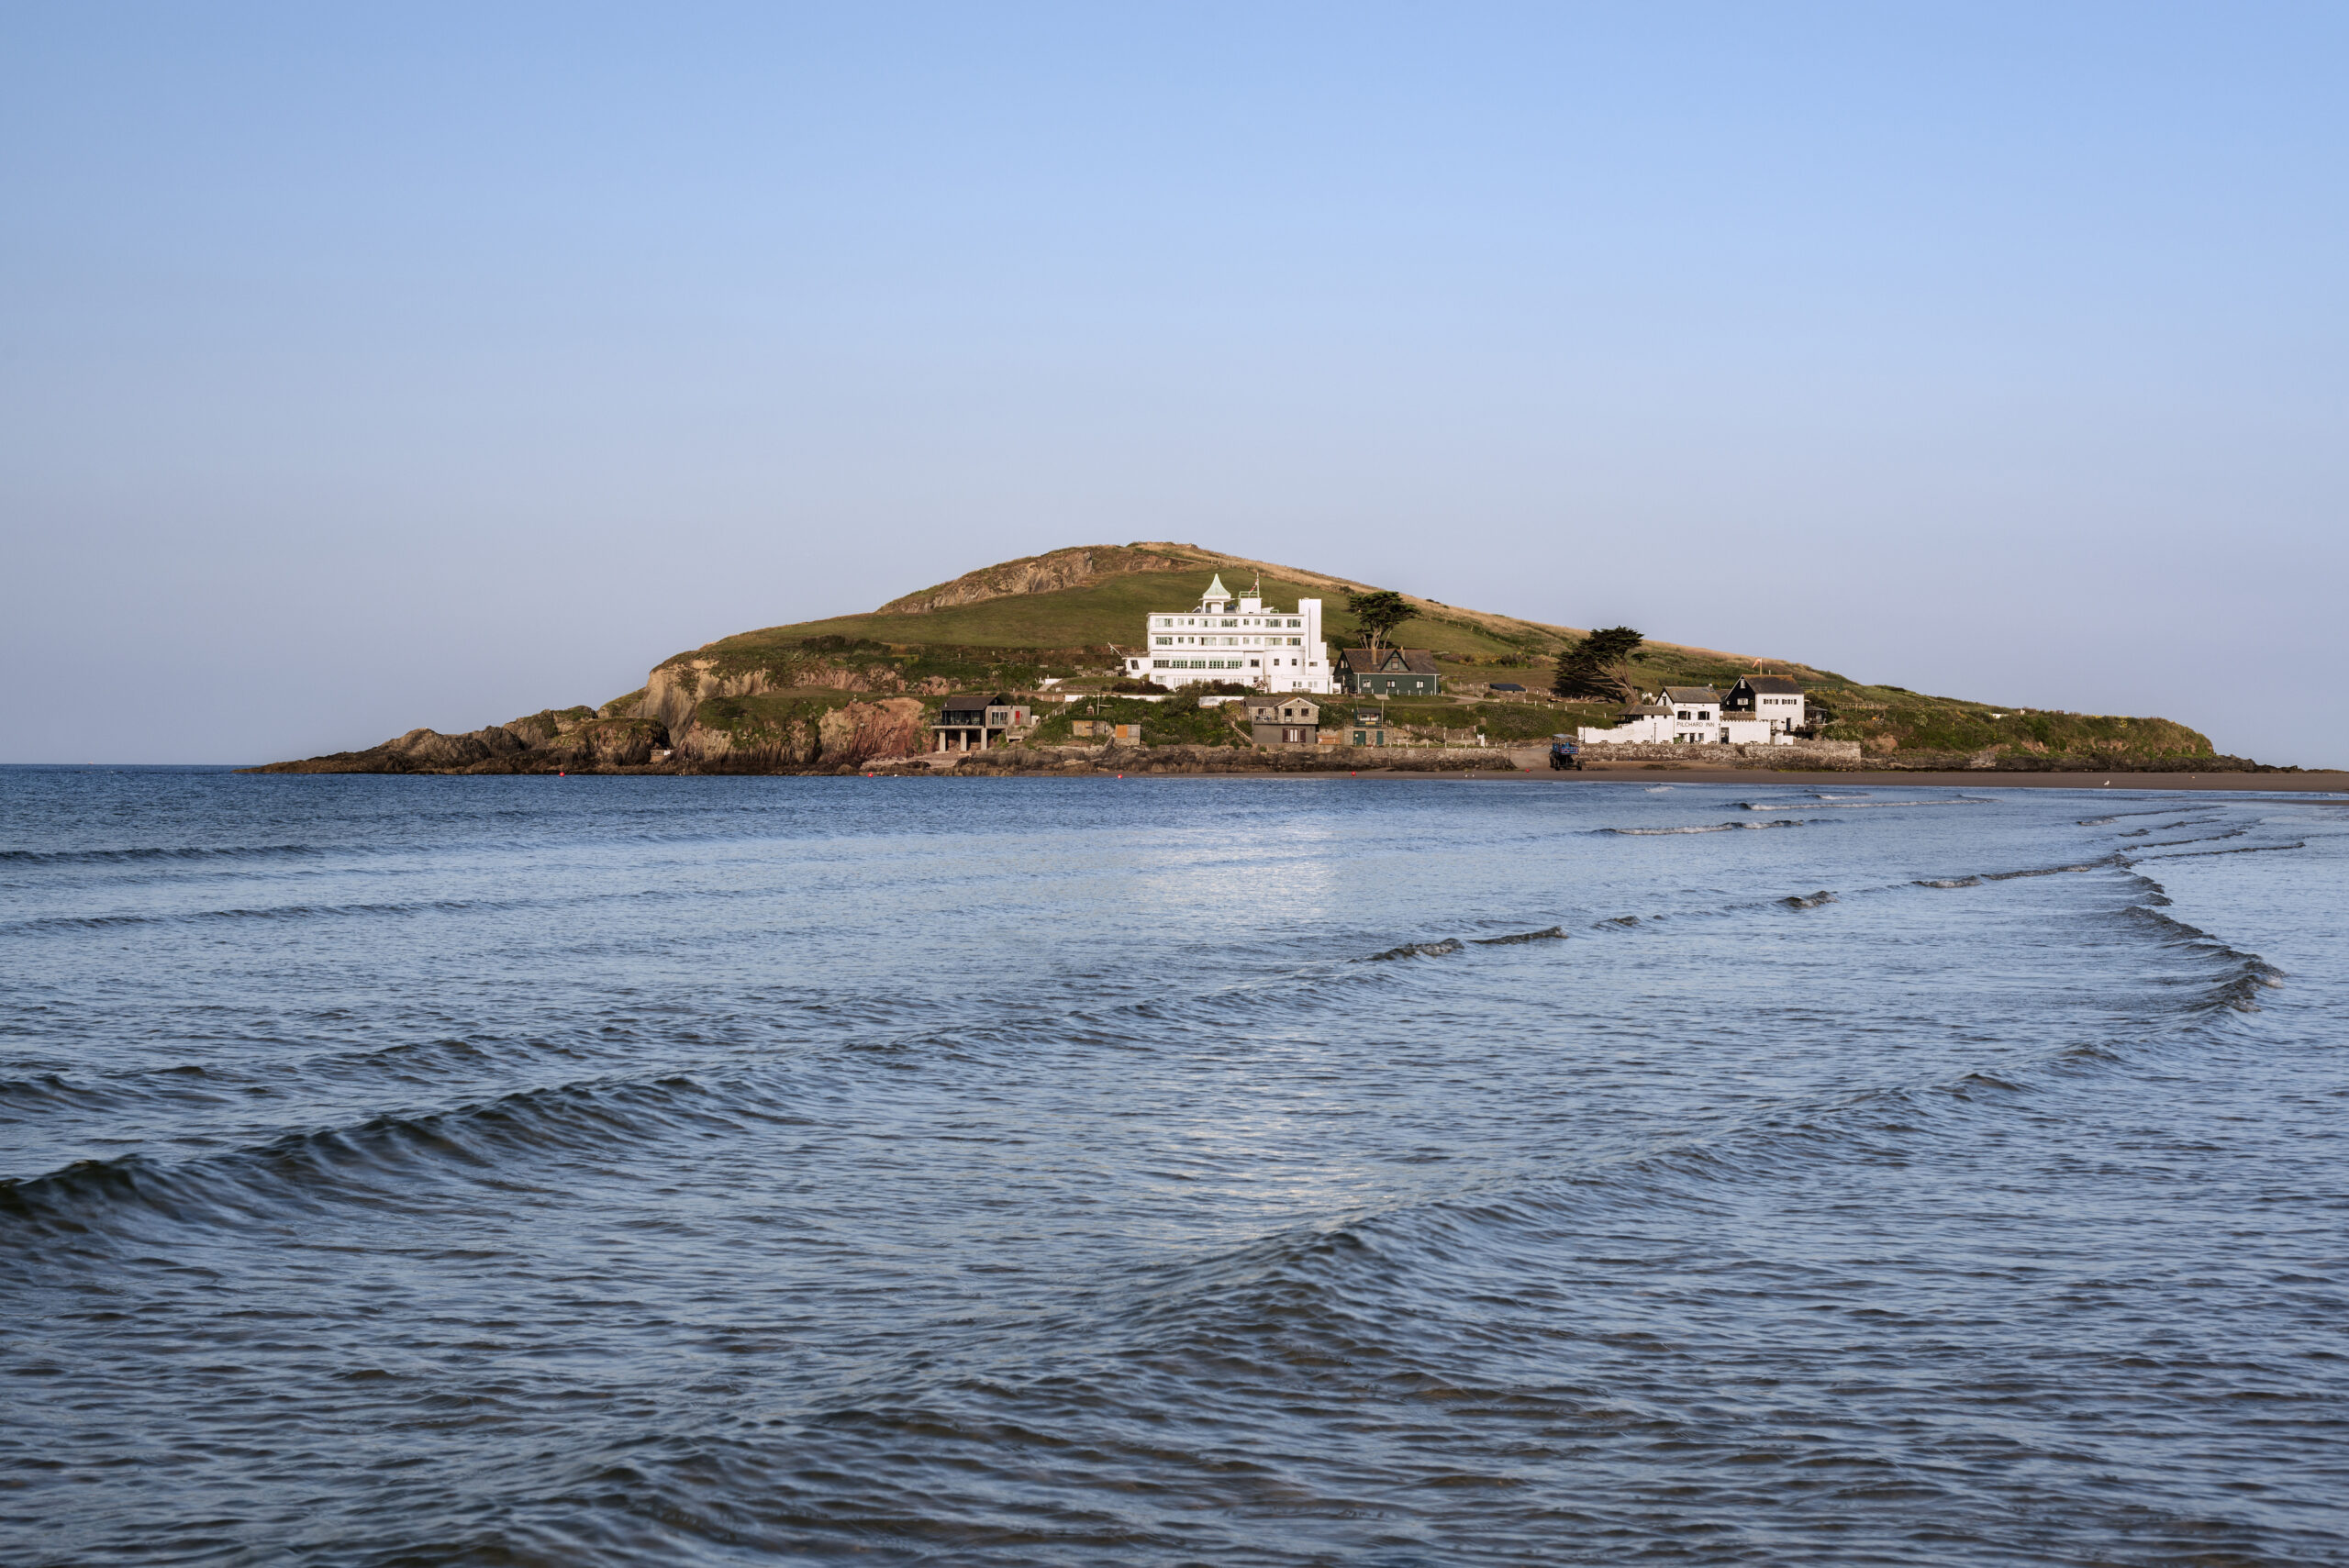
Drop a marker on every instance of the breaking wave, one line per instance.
(1716, 827)
(1832, 804)
(1418, 949)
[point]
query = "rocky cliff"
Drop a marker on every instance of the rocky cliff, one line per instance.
(1047, 573)
(540, 743)
(750, 738)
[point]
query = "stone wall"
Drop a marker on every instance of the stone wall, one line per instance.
(1713, 754)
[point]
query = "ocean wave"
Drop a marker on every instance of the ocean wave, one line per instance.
(49, 1091)
(1452, 944)
(80, 923)
(359, 1161)
(162, 853)
(1418, 949)
(1716, 827)
(2176, 843)
(288, 912)
(1856, 804)
(2243, 975)
(2041, 871)
(1319, 1270)
(2238, 849)
(1548, 933)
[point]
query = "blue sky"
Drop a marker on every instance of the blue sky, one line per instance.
(363, 367)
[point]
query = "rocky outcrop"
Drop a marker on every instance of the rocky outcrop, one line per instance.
(864, 732)
(675, 691)
(548, 723)
(611, 742)
(518, 748)
(847, 735)
(1047, 573)
(780, 746)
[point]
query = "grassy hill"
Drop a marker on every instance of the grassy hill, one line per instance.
(828, 694)
(1094, 598)
(1067, 614)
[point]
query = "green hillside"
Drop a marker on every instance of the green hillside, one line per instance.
(1100, 615)
(1068, 630)
(829, 694)
(1065, 614)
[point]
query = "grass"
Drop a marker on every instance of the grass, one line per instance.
(1111, 612)
(1012, 642)
(1889, 721)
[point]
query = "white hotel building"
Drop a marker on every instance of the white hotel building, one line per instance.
(1236, 638)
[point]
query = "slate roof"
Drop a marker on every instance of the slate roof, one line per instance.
(1777, 685)
(1370, 661)
(1691, 695)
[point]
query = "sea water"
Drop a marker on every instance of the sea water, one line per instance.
(590, 1171)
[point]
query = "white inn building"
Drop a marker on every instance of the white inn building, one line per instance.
(1235, 638)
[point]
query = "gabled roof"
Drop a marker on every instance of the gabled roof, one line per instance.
(1366, 661)
(1691, 695)
(1777, 685)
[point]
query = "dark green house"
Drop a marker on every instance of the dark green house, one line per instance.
(1389, 672)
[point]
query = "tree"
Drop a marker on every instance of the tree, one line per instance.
(1599, 665)
(1378, 611)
